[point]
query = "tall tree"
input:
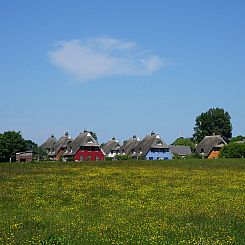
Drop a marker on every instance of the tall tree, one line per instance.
(11, 142)
(214, 121)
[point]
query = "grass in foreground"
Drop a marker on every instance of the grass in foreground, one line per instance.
(137, 202)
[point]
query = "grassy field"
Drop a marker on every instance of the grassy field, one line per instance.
(137, 202)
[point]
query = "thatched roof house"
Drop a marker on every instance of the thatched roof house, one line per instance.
(180, 150)
(210, 146)
(111, 148)
(129, 145)
(48, 145)
(84, 147)
(152, 147)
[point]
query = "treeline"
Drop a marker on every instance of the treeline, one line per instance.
(12, 142)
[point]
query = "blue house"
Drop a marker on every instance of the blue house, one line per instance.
(152, 147)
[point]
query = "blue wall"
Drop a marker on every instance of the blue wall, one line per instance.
(156, 155)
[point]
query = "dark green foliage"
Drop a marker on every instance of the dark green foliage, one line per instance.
(93, 135)
(233, 150)
(31, 146)
(70, 159)
(54, 240)
(11, 142)
(237, 138)
(122, 157)
(185, 141)
(215, 120)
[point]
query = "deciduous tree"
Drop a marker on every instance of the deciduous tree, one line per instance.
(11, 142)
(214, 121)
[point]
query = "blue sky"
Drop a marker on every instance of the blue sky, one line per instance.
(120, 68)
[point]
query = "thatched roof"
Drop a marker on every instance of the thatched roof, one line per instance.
(180, 150)
(62, 143)
(83, 139)
(208, 143)
(129, 144)
(49, 143)
(149, 142)
(111, 145)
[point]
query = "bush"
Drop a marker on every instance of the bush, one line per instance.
(233, 150)
(70, 159)
(123, 157)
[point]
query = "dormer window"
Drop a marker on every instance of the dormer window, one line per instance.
(159, 142)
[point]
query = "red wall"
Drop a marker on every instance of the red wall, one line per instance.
(87, 153)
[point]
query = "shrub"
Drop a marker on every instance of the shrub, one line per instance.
(233, 150)
(123, 157)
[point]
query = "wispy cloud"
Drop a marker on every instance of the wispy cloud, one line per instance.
(100, 57)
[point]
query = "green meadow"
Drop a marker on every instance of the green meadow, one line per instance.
(131, 202)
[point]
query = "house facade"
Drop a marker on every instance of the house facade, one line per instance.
(84, 148)
(152, 147)
(61, 146)
(111, 148)
(210, 146)
(24, 156)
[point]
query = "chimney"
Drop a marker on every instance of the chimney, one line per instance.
(134, 136)
(85, 131)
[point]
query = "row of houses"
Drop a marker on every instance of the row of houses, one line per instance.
(152, 147)
(85, 148)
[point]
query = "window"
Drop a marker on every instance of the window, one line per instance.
(89, 148)
(81, 158)
(150, 158)
(88, 158)
(97, 158)
(96, 149)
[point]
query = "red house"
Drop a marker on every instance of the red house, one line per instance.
(84, 148)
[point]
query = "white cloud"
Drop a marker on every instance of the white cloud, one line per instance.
(96, 58)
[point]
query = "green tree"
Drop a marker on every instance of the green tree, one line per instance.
(233, 150)
(38, 152)
(93, 135)
(11, 142)
(215, 120)
(186, 142)
(31, 146)
(237, 138)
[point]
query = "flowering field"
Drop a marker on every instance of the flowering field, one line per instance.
(137, 202)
